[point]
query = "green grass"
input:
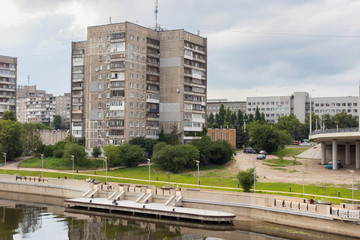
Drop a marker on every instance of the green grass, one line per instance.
(59, 164)
(280, 163)
(293, 152)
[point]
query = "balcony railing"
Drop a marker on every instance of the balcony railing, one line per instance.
(340, 130)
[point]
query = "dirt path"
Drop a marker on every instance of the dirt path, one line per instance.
(314, 172)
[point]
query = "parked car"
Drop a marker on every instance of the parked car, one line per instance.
(249, 150)
(330, 165)
(261, 157)
(305, 144)
(263, 152)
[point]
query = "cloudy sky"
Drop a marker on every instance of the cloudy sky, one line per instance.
(255, 47)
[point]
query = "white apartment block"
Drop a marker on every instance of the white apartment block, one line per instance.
(8, 76)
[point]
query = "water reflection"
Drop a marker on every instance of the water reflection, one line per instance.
(33, 217)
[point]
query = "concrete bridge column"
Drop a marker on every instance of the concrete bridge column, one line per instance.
(347, 153)
(334, 154)
(323, 153)
(357, 154)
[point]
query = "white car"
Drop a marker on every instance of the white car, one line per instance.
(305, 144)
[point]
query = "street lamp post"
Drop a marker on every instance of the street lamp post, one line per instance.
(198, 167)
(303, 173)
(105, 160)
(42, 166)
(73, 160)
(149, 160)
(5, 161)
(254, 176)
(352, 175)
(310, 124)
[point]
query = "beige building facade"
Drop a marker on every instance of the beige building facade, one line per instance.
(131, 81)
(8, 79)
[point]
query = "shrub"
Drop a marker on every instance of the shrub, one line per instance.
(175, 158)
(221, 152)
(145, 143)
(246, 179)
(58, 153)
(48, 151)
(96, 152)
(113, 155)
(77, 151)
(131, 155)
(204, 146)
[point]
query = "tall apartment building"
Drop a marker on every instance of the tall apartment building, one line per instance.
(36, 106)
(130, 81)
(8, 76)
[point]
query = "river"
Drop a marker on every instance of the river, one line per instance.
(24, 216)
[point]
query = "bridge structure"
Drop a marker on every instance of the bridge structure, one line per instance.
(342, 144)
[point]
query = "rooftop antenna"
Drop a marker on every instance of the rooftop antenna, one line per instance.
(110, 19)
(28, 80)
(198, 32)
(156, 11)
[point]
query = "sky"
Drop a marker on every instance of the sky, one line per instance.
(255, 47)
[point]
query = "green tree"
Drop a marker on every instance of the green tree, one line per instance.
(9, 115)
(227, 121)
(221, 116)
(210, 120)
(264, 137)
(204, 146)
(172, 138)
(31, 139)
(263, 120)
(131, 155)
(77, 151)
(145, 143)
(250, 118)
(257, 114)
(112, 153)
(221, 152)
(246, 179)
(175, 158)
(48, 151)
(96, 152)
(10, 138)
(233, 120)
(290, 124)
(57, 122)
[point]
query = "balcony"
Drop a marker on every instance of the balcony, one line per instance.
(152, 100)
(152, 110)
(152, 73)
(75, 80)
(77, 88)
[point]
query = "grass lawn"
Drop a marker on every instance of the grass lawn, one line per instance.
(280, 163)
(293, 151)
(59, 164)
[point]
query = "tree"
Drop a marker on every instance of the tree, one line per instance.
(57, 122)
(175, 158)
(145, 143)
(131, 155)
(221, 152)
(112, 153)
(227, 121)
(9, 115)
(10, 138)
(250, 118)
(210, 120)
(31, 139)
(290, 124)
(264, 137)
(257, 114)
(246, 179)
(221, 116)
(96, 152)
(170, 138)
(48, 151)
(204, 146)
(77, 151)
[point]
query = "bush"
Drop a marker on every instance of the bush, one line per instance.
(145, 143)
(113, 155)
(221, 152)
(246, 179)
(131, 155)
(58, 153)
(96, 152)
(175, 158)
(77, 151)
(204, 146)
(48, 151)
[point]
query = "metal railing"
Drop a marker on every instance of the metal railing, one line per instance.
(334, 130)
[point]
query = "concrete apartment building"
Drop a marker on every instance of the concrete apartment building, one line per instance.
(37, 106)
(334, 105)
(131, 81)
(213, 106)
(8, 79)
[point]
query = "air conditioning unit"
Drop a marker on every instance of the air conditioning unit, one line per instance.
(96, 69)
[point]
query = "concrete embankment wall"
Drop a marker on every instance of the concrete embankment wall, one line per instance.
(51, 187)
(262, 208)
(285, 210)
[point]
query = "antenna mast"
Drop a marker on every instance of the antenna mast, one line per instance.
(156, 14)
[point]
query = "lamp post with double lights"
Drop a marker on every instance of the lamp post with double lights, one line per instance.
(73, 160)
(105, 160)
(42, 166)
(5, 161)
(198, 167)
(149, 160)
(352, 175)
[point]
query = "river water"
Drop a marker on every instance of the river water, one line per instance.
(45, 218)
